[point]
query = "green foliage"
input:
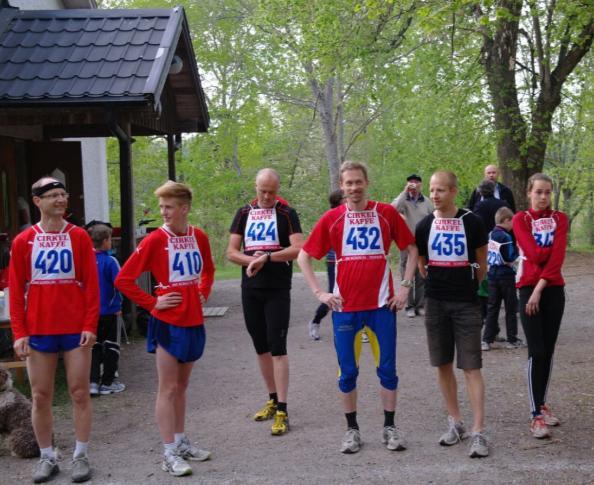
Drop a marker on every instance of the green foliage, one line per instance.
(412, 102)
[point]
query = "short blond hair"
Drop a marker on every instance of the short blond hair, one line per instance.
(175, 190)
(352, 165)
(450, 177)
(503, 214)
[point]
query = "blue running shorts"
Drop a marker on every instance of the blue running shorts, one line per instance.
(380, 326)
(186, 344)
(54, 343)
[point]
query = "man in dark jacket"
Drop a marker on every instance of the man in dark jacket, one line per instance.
(488, 205)
(501, 191)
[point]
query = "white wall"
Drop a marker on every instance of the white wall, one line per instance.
(52, 4)
(37, 4)
(94, 165)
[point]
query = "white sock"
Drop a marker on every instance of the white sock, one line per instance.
(48, 453)
(179, 437)
(169, 448)
(81, 448)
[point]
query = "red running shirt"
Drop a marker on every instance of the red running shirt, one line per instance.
(180, 264)
(542, 239)
(53, 282)
(361, 240)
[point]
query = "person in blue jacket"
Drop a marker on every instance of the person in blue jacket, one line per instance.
(501, 277)
(106, 351)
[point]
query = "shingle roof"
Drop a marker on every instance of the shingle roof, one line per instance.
(87, 55)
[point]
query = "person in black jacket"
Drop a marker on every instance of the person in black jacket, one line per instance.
(488, 205)
(502, 192)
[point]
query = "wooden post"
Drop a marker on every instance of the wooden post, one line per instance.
(126, 192)
(171, 157)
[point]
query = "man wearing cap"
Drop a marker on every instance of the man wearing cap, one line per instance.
(413, 207)
(501, 191)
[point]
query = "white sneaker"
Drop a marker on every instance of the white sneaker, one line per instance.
(455, 433)
(175, 465)
(314, 330)
(392, 439)
(478, 446)
(189, 452)
(485, 346)
(351, 443)
(410, 313)
(112, 388)
(94, 389)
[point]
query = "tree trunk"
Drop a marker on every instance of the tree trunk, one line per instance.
(521, 151)
(325, 107)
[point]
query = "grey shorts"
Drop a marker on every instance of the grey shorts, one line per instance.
(454, 325)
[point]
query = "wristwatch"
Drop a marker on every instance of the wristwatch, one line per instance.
(407, 283)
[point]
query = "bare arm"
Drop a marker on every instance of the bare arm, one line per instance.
(533, 303)
(287, 254)
(422, 263)
(399, 300)
(304, 262)
(234, 252)
(481, 259)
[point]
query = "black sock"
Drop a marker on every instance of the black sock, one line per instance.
(389, 418)
(352, 420)
(281, 406)
(274, 397)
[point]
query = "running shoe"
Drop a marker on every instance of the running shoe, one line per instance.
(410, 313)
(455, 433)
(45, 470)
(485, 346)
(175, 465)
(539, 428)
(94, 389)
(516, 344)
(267, 412)
(190, 452)
(478, 445)
(314, 330)
(392, 439)
(364, 338)
(549, 418)
(81, 470)
(351, 443)
(281, 424)
(112, 388)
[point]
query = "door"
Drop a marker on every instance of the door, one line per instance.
(63, 161)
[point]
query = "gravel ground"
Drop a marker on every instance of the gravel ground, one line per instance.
(226, 389)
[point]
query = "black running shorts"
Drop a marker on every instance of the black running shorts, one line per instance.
(266, 312)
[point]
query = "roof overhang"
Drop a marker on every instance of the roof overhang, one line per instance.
(160, 103)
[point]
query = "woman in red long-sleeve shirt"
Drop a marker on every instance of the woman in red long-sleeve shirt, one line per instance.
(179, 258)
(542, 237)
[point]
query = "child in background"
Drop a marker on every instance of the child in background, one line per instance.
(106, 350)
(501, 277)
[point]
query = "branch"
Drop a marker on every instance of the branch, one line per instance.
(542, 63)
(550, 10)
(356, 133)
(578, 50)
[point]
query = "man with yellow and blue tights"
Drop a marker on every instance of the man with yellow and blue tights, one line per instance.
(361, 231)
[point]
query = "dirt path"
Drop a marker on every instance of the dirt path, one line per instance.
(226, 390)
